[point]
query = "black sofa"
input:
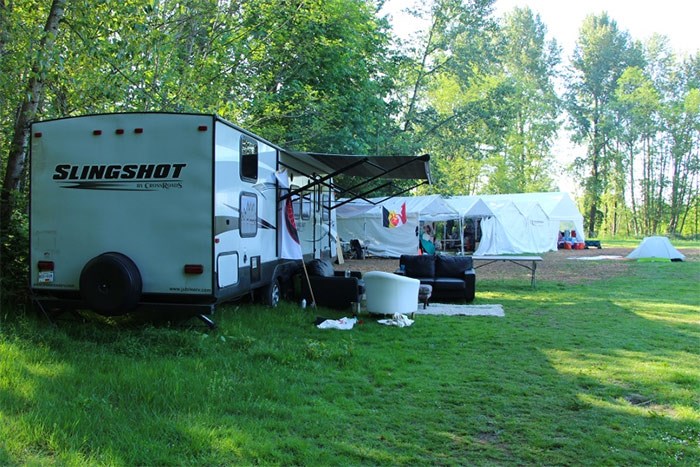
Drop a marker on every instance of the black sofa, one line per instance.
(331, 288)
(451, 277)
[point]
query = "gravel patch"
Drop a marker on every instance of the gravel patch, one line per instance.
(556, 266)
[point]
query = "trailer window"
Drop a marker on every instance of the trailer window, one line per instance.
(248, 219)
(326, 206)
(249, 159)
(306, 206)
(296, 203)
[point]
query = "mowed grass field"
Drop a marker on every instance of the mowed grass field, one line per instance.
(604, 370)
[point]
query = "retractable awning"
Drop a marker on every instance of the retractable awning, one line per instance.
(322, 168)
(386, 167)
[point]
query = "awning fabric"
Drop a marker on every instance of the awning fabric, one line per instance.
(386, 167)
(321, 168)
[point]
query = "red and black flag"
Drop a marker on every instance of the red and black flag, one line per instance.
(392, 219)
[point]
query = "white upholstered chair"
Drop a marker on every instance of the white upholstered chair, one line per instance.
(390, 293)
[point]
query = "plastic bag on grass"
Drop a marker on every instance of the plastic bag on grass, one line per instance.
(342, 323)
(398, 319)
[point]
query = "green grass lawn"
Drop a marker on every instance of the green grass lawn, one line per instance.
(601, 373)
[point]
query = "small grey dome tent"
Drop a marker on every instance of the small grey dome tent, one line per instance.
(656, 247)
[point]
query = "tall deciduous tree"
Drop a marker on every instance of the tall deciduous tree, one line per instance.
(638, 106)
(682, 118)
(452, 105)
(529, 63)
(27, 110)
(321, 79)
(602, 54)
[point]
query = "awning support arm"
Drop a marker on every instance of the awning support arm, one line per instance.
(318, 181)
(384, 172)
(362, 195)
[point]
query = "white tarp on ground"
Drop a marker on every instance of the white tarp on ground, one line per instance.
(452, 309)
(656, 247)
(363, 220)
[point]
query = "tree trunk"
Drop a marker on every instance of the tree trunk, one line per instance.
(633, 200)
(419, 79)
(18, 149)
(594, 186)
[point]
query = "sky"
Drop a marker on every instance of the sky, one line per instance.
(679, 20)
(676, 19)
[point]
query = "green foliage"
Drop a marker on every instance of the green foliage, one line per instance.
(474, 92)
(14, 262)
(529, 65)
(602, 54)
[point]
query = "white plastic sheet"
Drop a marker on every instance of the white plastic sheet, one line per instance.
(398, 319)
(342, 323)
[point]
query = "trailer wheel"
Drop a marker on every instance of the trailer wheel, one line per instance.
(272, 293)
(111, 284)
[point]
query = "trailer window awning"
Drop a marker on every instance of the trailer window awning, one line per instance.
(367, 172)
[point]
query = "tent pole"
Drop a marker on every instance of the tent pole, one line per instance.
(461, 236)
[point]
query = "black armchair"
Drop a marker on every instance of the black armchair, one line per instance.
(331, 288)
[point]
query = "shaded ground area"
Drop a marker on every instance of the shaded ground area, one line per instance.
(562, 266)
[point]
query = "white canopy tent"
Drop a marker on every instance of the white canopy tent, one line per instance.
(516, 228)
(558, 206)
(470, 208)
(363, 220)
(531, 225)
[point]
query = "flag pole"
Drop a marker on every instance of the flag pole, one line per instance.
(293, 249)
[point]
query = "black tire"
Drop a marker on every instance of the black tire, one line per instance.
(111, 284)
(272, 294)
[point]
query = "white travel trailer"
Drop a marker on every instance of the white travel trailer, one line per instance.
(165, 211)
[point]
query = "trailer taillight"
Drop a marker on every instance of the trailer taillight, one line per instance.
(119, 131)
(194, 269)
(97, 132)
(45, 265)
(37, 134)
(138, 131)
(202, 128)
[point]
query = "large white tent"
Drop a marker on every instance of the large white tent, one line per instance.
(363, 220)
(557, 205)
(521, 227)
(531, 225)
(510, 223)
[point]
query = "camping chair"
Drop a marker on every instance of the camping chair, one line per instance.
(356, 247)
(427, 247)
